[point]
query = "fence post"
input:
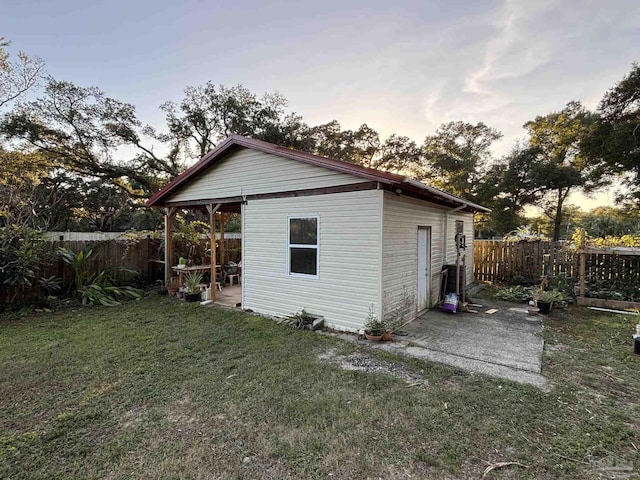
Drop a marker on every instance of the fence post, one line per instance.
(582, 253)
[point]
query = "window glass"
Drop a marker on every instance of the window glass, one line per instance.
(304, 260)
(303, 231)
(303, 246)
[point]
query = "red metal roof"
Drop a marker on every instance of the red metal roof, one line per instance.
(234, 141)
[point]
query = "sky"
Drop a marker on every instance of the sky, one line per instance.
(400, 66)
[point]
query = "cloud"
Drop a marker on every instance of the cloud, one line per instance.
(517, 49)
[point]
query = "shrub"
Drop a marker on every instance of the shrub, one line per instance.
(21, 252)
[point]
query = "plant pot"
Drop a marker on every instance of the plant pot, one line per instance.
(373, 338)
(192, 297)
(387, 337)
(533, 311)
(172, 291)
(545, 307)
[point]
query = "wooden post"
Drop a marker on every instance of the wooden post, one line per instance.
(224, 218)
(212, 220)
(169, 213)
(583, 269)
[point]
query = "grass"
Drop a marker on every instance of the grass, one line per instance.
(163, 389)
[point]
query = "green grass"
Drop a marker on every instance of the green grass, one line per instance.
(163, 389)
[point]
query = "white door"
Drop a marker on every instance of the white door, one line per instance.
(424, 268)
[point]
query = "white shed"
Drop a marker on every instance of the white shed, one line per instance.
(328, 236)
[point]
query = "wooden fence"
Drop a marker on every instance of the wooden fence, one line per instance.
(514, 262)
(144, 256)
(506, 262)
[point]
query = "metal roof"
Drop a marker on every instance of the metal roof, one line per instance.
(404, 184)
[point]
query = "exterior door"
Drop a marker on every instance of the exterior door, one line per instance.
(424, 268)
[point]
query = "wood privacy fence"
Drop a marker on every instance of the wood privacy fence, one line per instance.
(514, 262)
(506, 262)
(144, 256)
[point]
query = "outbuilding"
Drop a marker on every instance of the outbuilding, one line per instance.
(327, 236)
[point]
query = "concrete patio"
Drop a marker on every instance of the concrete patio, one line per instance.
(230, 296)
(505, 344)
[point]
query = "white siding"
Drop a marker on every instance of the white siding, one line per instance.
(401, 219)
(349, 266)
(249, 172)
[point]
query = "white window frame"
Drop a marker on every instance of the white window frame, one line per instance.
(298, 245)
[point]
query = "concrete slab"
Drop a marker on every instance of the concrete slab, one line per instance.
(230, 296)
(507, 343)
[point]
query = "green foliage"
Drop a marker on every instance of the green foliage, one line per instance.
(192, 281)
(372, 325)
(21, 252)
(558, 165)
(191, 238)
(50, 285)
(98, 287)
(516, 294)
(456, 157)
(551, 296)
(629, 240)
(615, 140)
(301, 319)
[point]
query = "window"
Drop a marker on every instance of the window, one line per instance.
(303, 246)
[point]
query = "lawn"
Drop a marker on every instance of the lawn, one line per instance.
(158, 388)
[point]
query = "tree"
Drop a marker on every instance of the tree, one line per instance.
(559, 166)
(84, 130)
(363, 147)
(456, 157)
(611, 222)
(615, 137)
(17, 76)
(209, 113)
(507, 188)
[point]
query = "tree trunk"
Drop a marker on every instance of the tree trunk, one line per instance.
(557, 221)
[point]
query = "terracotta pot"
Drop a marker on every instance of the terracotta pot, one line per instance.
(172, 291)
(533, 311)
(387, 336)
(373, 338)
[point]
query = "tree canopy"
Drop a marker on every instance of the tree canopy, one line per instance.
(75, 157)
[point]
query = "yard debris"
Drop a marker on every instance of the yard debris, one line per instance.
(495, 466)
(362, 362)
(491, 311)
(610, 310)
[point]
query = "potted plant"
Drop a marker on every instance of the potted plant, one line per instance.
(546, 300)
(373, 328)
(192, 281)
(172, 286)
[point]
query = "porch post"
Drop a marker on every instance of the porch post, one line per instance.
(212, 219)
(169, 213)
(224, 218)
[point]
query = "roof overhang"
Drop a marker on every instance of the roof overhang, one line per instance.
(389, 181)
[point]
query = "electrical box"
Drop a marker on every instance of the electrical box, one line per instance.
(461, 241)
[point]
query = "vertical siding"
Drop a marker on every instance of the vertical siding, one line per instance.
(401, 219)
(349, 266)
(249, 172)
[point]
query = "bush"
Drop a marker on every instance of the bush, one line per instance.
(517, 294)
(21, 252)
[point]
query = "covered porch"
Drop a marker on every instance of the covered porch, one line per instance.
(225, 289)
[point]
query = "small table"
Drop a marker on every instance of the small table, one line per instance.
(195, 268)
